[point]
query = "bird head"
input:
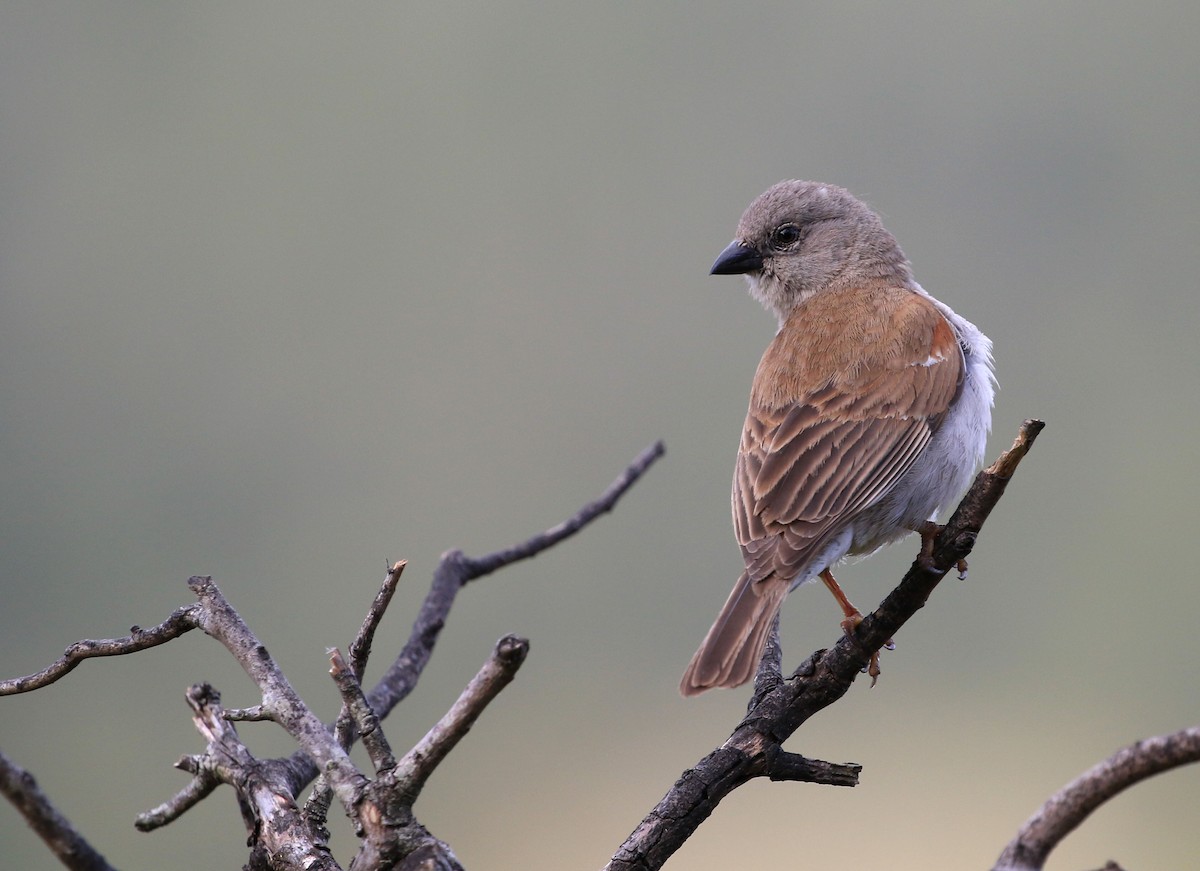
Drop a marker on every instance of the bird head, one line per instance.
(800, 238)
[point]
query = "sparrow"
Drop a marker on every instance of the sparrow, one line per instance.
(869, 411)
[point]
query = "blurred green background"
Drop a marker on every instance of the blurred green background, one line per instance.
(291, 290)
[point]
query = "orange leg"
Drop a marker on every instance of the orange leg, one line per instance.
(852, 614)
(853, 618)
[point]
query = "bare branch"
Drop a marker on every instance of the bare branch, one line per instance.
(181, 620)
(268, 807)
(200, 787)
(316, 808)
(538, 543)
(219, 620)
(360, 647)
(414, 769)
(392, 837)
(252, 714)
(70, 847)
(454, 571)
(779, 708)
(1070, 806)
(365, 721)
(280, 834)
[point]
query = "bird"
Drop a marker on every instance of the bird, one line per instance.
(869, 411)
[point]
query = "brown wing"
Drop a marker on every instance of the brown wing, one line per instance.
(839, 433)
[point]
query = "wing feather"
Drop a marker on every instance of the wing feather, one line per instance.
(836, 438)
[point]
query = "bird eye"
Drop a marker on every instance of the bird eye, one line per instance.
(785, 236)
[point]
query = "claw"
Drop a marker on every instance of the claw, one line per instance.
(928, 532)
(852, 618)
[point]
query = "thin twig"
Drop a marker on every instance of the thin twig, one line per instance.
(360, 647)
(181, 620)
(478, 567)
(456, 569)
(225, 759)
(198, 788)
(252, 714)
(67, 844)
(1070, 806)
(316, 808)
(365, 721)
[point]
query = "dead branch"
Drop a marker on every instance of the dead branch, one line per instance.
(365, 721)
(283, 836)
(1070, 806)
(267, 806)
(219, 620)
(360, 647)
(43, 817)
(392, 837)
(414, 769)
(316, 809)
(454, 571)
(181, 620)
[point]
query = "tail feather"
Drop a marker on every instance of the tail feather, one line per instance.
(729, 654)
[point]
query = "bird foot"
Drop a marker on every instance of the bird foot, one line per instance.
(929, 533)
(849, 625)
(853, 617)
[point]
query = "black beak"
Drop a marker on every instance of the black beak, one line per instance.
(737, 259)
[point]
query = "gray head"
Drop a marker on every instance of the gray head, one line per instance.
(801, 237)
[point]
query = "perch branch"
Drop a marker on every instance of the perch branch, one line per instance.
(779, 707)
(1070, 806)
(181, 621)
